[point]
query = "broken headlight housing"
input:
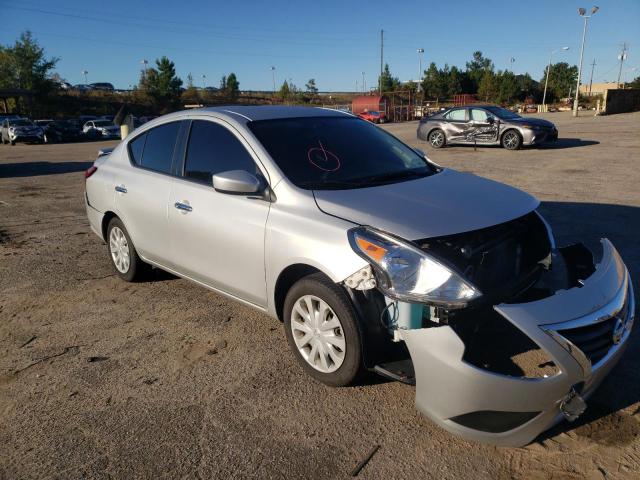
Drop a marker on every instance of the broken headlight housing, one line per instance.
(406, 273)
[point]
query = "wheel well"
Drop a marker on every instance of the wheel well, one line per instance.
(105, 223)
(509, 130)
(286, 279)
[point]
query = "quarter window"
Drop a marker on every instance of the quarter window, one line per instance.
(456, 115)
(213, 149)
(154, 149)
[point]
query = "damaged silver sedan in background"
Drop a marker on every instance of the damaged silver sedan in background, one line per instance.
(374, 257)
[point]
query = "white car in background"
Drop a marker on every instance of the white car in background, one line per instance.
(105, 127)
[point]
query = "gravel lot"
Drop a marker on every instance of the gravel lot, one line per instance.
(104, 379)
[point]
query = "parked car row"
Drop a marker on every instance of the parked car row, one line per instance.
(15, 129)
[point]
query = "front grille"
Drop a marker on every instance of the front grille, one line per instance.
(594, 340)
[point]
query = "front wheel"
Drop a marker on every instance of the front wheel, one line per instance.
(437, 138)
(322, 330)
(124, 257)
(511, 140)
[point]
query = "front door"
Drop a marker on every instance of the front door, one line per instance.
(218, 238)
(484, 126)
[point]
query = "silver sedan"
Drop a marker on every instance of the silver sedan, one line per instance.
(485, 125)
(373, 257)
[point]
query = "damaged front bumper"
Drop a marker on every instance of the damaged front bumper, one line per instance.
(584, 330)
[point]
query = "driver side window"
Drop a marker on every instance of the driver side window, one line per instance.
(213, 149)
(479, 115)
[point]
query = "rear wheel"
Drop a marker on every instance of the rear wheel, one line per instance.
(511, 140)
(437, 138)
(322, 330)
(124, 257)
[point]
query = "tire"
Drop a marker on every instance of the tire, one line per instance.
(437, 138)
(336, 343)
(511, 140)
(124, 258)
(12, 142)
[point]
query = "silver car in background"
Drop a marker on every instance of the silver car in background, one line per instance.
(373, 257)
(485, 125)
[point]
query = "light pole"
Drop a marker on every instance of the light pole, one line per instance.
(511, 60)
(85, 73)
(144, 63)
(581, 12)
(204, 79)
(546, 82)
(420, 52)
(273, 74)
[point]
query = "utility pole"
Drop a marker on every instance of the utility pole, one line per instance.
(381, 56)
(273, 75)
(364, 84)
(591, 77)
(622, 57)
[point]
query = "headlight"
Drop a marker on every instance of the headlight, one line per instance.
(405, 272)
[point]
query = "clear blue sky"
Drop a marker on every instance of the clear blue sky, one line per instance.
(331, 41)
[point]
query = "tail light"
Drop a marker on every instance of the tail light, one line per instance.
(90, 171)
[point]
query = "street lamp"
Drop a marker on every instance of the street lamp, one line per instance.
(144, 62)
(204, 78)
(581, 12)
(546, 82)
(84, 72)
(511, 60)
(420, 52)
(273, 74)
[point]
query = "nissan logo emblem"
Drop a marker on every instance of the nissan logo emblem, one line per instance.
(618, 331)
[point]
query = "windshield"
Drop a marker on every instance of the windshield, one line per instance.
(20, 123)
(323, 153)
(102, 123)
(503, 113)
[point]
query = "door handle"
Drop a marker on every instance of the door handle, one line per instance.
(183, 207)
(121, 189)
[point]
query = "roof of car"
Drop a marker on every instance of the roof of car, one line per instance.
(272, 112)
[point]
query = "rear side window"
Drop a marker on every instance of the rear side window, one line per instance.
(213, 149)
(456, 115)
(154, 149)
(136, 147)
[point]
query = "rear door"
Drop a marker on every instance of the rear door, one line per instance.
(142, 190)
(218, 238)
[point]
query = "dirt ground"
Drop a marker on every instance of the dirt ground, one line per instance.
(104, 379)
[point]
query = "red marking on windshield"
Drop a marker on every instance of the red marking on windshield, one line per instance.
(323, 159)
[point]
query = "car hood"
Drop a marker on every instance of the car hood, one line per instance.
(531, 121)
(443, 204)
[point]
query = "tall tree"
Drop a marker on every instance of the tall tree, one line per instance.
(162, 84)
(488, 88)
(285, 91)
(507, 87)
(388, 81)
(476, 69)
(24, 65)
(230, 87)
(562, 77)
(311, 87)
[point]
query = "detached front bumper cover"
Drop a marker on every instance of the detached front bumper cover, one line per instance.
(505, 410)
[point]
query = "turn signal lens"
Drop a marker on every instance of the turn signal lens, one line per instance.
(90, 171)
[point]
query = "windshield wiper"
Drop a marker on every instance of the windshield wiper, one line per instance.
(332, 185)
(393, 176)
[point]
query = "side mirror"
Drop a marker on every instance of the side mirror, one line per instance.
(238, 182)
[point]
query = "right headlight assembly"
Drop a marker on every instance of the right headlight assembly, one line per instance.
(406, 273)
